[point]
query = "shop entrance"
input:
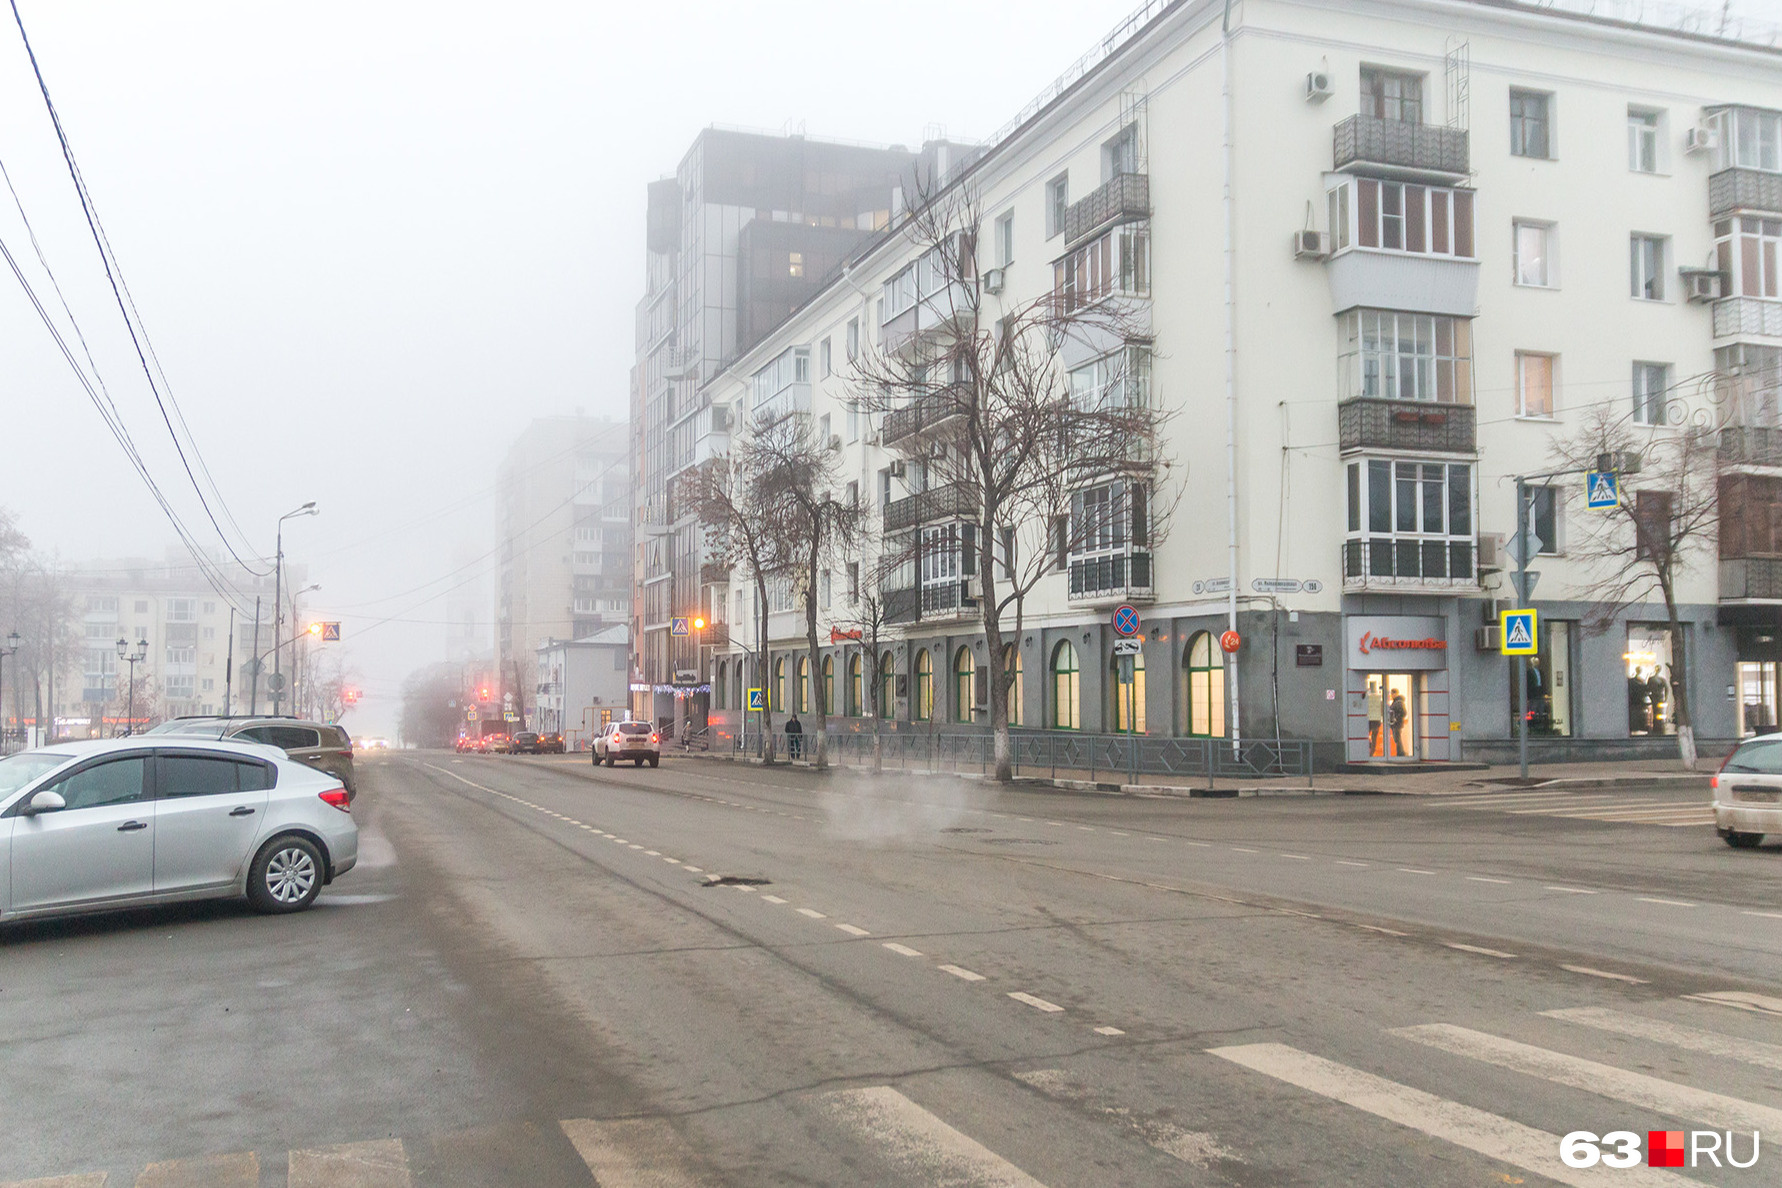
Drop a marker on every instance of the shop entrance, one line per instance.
(1393, 721)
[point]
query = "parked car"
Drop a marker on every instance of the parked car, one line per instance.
(497, 744)
(550, 744)
(636, 741)
(158, 818)
(525, 743)
(320, 745)
(1748, 792)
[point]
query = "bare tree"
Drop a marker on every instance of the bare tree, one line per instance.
(1037, 461)
(868, 622)
(1665, 525)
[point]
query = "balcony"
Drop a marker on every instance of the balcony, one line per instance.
(714, 573)
(1738, 317)
(951, 502)
(1748, 579)
(928, 412)
(1396, 145)
(1387, 564)
(1373, 279)
(716, 634)
(927, 604)
(1122, 577)
(1124, 198)
(1750, 445)
(1744, 189)
(1370, 423)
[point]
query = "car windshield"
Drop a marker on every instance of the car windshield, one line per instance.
(1762, 757)
(18, 770)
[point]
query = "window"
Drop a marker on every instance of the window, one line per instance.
(1116, 262)
(853, 575)
(1057, 203)
(1128, 694)
(1119, 380)
(1403, 217)
(823, 434)
(1391, 95)
(1066, 689)
(923, 693)
(141, 607)
(1011, 662)
(1652, 525)
(1534, 385)
(208, 775)
(1411, 520)
(823, 361)
(1642, 140)
(1646, 255)
(1005, 240)
(115, 781)
(721, 686)
(1543, 517)
(1120, 153)
(1203, 667)
(774, 390)
(1406, 356)
(1749, 250)
(828, 685)
(853, 339)
(1534, 254)
(854, 686)
(854, 425)
(779, 684)
(1651, 680)
(1551, 682)
(1531, 124)
(965, 676)
(795, 264)
(1651, 382)
(1749, 139)
(823, 589)
(802, 684)
(887, 685)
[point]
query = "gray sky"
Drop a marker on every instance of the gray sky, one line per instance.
(371, 239)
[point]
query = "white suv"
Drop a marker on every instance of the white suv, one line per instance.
(636, 741)
(1748, 792)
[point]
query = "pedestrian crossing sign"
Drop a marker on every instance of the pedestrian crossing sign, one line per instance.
(1602, 489)
(1521, 633)
(755, 705)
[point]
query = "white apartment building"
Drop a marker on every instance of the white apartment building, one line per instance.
(1455, 228)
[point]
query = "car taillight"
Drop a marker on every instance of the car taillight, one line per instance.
(1715, 782)
(655, 738)
(337, 798)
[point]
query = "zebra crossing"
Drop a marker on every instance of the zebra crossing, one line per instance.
(1622, 808)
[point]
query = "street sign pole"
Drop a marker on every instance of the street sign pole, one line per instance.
(1524, 537)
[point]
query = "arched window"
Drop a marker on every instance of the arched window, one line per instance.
(1067, 690)
(779, 684)
(965, 691)
(802, 681)
(1204, 669)
(854, 685)
(1129, 696)
(887, 686)
(923, 693)
(828, 685)
(722, 683)
(1011, 662)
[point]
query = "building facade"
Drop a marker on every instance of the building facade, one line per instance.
(1456, 233)
(583, 683)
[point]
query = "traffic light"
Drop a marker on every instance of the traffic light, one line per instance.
(350, 695)
(483, 693)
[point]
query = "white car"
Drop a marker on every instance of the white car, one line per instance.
(636, 741)
(1748, 792)
(86, 826)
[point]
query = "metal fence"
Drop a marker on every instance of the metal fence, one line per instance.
(1122, 757)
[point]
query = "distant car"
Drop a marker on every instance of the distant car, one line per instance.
(320, 745)
(464, 743)
(497, 744)
(550, 744)
(525, 743)
(636, 741)
(90, 826)
(1748, 792)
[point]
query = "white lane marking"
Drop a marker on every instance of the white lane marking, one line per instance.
(239, 1170)
(654, 853)
(923, 1148)
(812, 913)
(1387, 931)
(1202, 845)
(1665, 902)
(633, 1153)
(1487, 1134)
(1109, 1031)
(1603, 973)
(1060, 824)
(635, 846)
(1413, 870)
(379, 1164)
(1677, 1035)
(1477, 949)
(1117, 833)
(773, 899)
(904, 950)
(1604, 1080)
(852, 930)
(1297, 857)
(1483, 879)
(1744, 1001)
(962, 973)
(1087, 828)
(1346, 862)
(1570, 890)
(619, 840)
(1241, 850)
(1765, 915)
(1038, 1004)
(745, 889)
(695, 870)
(671, 861)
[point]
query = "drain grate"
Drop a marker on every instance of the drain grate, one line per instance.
(736, 881)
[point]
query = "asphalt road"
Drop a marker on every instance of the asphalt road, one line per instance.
(914, 981)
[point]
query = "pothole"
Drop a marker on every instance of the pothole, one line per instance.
(963, 829)
(735, 881)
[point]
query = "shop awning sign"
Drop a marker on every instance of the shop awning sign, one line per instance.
(1521, 633)
(1602, 489)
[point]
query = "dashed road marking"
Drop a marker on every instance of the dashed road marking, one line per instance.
(1109, 1031)
(1414, 870)
(1480, 950)
(813, 913)
(1591, 971)
(773, 899)
(1346, 862)
(904, 950)
(961, 973)
(1664, 902)
(851, 930)
(1570, 890)
(1038, 1004)
(1483, 879)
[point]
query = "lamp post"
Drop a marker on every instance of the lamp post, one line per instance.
(278, 606)
(299, 664)
(132, 658)
(12, 646)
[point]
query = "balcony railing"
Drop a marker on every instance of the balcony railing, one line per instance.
(1737, 316)
(1744, 189)
(1751, 445)
(714, 573)
(951, 502)
(1385, 564)
(1751, 578)
(926, 412)
(1370, 423)
(1368, 140)
(1123, 198)
(941, 600)
(1123, 575)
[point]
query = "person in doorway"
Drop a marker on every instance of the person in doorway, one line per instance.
(794, 738)
(1375, 706)
(1639, 706)
(1658, 696)
(1396, 714)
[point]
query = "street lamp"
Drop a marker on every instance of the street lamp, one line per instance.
(278, 606)
(132, 658)
(12, 645)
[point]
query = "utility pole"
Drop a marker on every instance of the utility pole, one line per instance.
(254, 678)
(229, 664)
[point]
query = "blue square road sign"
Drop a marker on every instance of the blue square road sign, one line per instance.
(1521, 633)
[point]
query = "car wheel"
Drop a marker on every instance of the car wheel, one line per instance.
(610, 760)
(638, 762)
(286, 876)
(1743, 841)
(655, 761)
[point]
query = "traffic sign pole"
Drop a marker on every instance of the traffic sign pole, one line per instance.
(1524, 534)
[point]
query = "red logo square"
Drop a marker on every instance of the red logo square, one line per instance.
(1664, 1148)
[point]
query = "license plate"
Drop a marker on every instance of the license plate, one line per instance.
(1758, 795)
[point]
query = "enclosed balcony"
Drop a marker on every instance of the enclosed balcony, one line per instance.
(1744, 189)
(1751, 579)
(1398, 145)
(1750, 445)
(1118, 577)
(1740, 317)
(1123, 198)
(1374, 423)
(934, 602)
(1383, 563)
(927, 413)
(950, 502)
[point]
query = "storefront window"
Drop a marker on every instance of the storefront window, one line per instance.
(1551, 680)
(1651, 697)
(1205, 672)
(887, 686)
(1066, 689)
(965, 673)
(1011, 660)
(1757, 698)
(923, 693)
(1129, 695)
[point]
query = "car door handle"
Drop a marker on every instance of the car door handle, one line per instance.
(132, 826)
(243, 811)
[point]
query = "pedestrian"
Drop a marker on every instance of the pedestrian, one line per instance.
(1374, 706)
(1395, 717)
(794, 738)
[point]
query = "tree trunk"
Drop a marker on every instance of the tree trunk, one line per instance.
(1680, 680)
(764, 742)
(819, 753)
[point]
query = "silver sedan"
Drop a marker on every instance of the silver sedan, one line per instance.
(88, 826)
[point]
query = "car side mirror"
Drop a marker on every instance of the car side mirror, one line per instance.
(46, 801)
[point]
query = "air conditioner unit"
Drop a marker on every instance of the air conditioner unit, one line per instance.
(835, 441)
(1489, 609)
(1488, 638)
(993, 280)
(974, 587)
(1702, 138)
(1491, 550)
(1702, 285)
(895, 469)
(1318, 87)
(1310, 245)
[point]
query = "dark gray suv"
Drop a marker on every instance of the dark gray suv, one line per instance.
(315, 744)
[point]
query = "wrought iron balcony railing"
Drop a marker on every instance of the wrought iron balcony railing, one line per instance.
(1369, 140)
